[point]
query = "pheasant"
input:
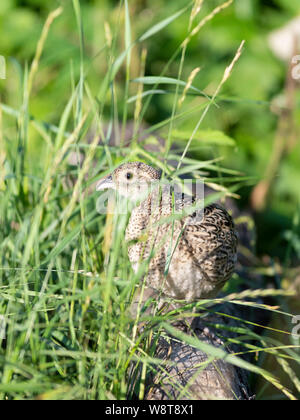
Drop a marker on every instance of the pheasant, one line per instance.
(188, 257)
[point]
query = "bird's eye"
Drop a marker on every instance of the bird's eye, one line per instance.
(129, 175)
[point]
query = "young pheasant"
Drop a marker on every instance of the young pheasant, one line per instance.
(188, 258)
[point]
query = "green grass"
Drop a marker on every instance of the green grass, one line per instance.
(65, 281)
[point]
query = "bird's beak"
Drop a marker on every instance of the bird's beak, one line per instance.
(105, 183)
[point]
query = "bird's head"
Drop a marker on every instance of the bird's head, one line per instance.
(131, 180)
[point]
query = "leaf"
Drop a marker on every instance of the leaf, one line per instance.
(213, 137)
(152, 31)
(59, 247)
(64, 121)
(147, 93)
(160, 25)
(158, 80)
(117, 64)
(127, 31)
(195, 167)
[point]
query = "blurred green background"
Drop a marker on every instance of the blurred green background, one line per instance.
(260, 106)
